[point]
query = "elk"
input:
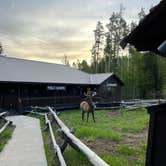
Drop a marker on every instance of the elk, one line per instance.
(87, 106)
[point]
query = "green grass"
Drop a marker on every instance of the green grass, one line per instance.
(113, 132)
(75, 158)
(128, 150)
(6, 135)
(121, 160)
(117, 136)
(93, 133)
(131, 121)
(109, 124)
(91, 130)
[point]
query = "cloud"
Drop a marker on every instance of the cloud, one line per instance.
(46, 30)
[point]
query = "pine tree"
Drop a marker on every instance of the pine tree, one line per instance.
(1, 48)
(141, 14)
(97, 47)
(107, 52)
(65, 60)
(117, 29)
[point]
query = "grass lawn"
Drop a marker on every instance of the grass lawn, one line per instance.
(6, 134)
(118, 136)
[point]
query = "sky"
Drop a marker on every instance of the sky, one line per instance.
(46, 30)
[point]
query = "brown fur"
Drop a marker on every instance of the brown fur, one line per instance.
(87, 108)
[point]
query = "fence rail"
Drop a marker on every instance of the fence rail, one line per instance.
(7, 122)
(3, 114)
(55, 145)
(4, 126)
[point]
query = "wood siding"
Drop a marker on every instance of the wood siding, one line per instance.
(19, 95)
(109, 94)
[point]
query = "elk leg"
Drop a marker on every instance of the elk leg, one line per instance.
(93, 116)
(87, 116)
(82, 115)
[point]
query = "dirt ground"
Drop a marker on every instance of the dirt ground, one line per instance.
(108, 146)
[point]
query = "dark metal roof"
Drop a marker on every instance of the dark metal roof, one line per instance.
(27, 71)
(151, 31)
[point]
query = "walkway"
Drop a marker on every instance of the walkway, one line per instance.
(26, 146)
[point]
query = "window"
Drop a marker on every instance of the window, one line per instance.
(60, 88)
(111, 85)
(110, 88)
(56, 88)
(51, 88)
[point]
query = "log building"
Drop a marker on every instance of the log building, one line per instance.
(25, 83)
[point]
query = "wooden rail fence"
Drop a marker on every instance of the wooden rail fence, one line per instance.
(69, 138)
(92, 156)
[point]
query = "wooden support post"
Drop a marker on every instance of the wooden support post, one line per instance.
(66, 140)
(64, 143)
(46, 122)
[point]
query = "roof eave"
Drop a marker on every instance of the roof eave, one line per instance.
(143, 41)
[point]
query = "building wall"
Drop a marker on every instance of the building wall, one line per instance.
(8, 95)
(19, 95)
(110, 90)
